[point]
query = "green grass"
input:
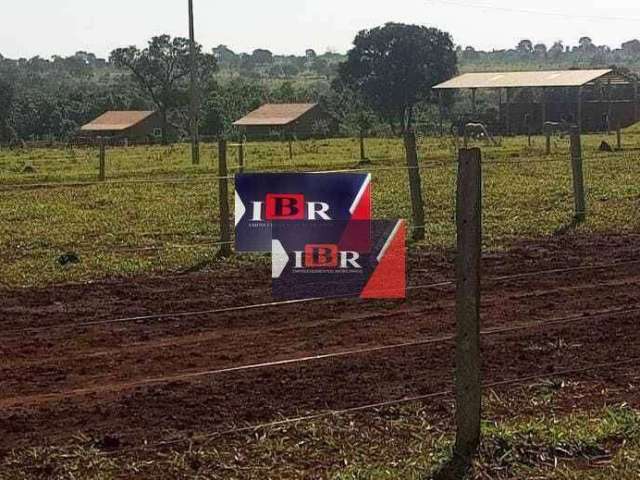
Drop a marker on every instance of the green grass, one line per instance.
(120, 228)
(399, 443)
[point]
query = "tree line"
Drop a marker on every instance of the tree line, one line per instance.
(382, 85)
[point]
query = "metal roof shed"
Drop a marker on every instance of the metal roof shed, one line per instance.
(578, 79)
(275, 114)
(117, 121)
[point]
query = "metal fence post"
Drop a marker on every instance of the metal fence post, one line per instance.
(102, 167)
(578, 176)
(223, 199)
(415, 186)
(469, 252)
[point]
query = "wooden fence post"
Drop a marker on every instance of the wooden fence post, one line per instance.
(547, 134)
(415, 185)
(241, 157)
(363, 154)
(102, 160)
(619, 136)
(469, 253)
(223, 199)
(578, 176)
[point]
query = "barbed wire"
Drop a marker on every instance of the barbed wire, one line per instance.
(372, 406)
(433, 340)
(198, 178)
(276, 304)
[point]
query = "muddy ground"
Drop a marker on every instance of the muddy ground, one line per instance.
(76, 361)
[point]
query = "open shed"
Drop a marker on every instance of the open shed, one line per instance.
(287, 120)
(595, 100)
(129, 125)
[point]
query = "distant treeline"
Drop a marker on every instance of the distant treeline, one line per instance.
(52, 98)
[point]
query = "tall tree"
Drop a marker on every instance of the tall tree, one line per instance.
(162, 71)
(395, 66)
(525, 47)
(7, 133)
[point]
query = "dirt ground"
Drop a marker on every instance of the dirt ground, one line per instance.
(75, 361)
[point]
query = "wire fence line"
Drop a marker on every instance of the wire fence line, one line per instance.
(432, 340)
(197, 178)
(286, 422)
(265, 305)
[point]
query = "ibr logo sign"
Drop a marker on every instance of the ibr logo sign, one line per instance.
(309, 261)
(265, 199)
(289, 207)
(326, 256)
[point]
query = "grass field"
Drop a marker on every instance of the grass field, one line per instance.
(403, 443)
(158, 213)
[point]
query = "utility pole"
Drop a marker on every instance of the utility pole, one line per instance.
(195, 138)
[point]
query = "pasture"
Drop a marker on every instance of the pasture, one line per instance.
(157, 213)
(151, 358)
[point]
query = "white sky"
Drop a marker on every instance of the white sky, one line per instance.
(47, 27)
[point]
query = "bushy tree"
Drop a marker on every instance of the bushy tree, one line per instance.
(7, 133)
(394, 67)
(162, 71)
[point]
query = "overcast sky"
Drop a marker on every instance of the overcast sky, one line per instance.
(47, 27)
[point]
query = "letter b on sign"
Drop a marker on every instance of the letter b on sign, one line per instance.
(321, 256)
(285, 207)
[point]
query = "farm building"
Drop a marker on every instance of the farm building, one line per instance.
(595, 100)
(287, 120)
(124, 125)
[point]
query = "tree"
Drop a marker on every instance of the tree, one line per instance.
(162, 72)
(631, 48)
(224, 55)
(351, 111)
(7, 133)
(525, 47)
(262, 57)
(470, 53)
(394, 67)
(540, 50)
(556, 51)
(586, 45)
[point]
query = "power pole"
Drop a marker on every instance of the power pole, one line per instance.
(195, 137)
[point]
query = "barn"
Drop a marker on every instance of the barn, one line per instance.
(595, 100)
(287, 120)
(136, 126)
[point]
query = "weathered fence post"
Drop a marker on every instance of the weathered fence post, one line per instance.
(241, 157)
(415, 185)
(363, 154)
(223, 199)
(102, 160)
(469, 234)
(547, 134)
(578, 176)
(619, 136)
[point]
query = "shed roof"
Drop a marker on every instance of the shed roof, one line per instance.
(275, 114)
(540, 78)
(117, 121)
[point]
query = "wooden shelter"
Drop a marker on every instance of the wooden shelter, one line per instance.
(595, 100)
(126, 125)
(286, 121)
